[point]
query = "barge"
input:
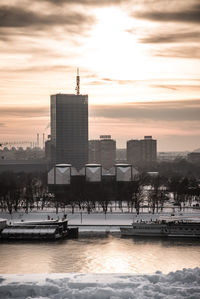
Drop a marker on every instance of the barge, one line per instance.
(38, 230)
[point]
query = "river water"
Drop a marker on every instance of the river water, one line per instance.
(100, 254)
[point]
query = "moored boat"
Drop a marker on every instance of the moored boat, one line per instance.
(184, 229)
(38, 230)
(164, 228)
(145, 228)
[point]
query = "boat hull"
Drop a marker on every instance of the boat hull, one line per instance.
(170, 229)
(135, 232)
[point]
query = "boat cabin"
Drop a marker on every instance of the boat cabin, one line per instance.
(36, 230)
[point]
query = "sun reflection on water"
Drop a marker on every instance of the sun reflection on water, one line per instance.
(111, 254)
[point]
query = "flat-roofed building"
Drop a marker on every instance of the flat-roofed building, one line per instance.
(140, 152)
(148, 149)
(69, 129)
(108, 153)
(133, 152)
(103, 151)
(94, 151)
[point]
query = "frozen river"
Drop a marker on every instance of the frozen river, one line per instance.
(100, 254)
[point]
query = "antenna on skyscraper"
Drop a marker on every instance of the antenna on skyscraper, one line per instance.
(77, 82)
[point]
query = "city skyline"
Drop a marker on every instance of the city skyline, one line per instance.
(139, 64)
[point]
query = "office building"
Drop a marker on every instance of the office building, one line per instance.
(108, 152)
(148, 149)
(69, 129)
(103, 151)
(141, 152)
(133, 152)
(94, 151)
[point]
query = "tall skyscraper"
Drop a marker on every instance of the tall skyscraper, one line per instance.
(69, 129)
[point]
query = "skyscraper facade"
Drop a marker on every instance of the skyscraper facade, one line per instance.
(69, 129)
(94, 155)
(108, 152)
(148, 149)
(103, 151)
(141, 152)
(133, 152)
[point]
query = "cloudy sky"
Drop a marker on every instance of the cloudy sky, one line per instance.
(139, 62)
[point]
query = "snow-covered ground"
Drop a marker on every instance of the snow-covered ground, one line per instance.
(179, 284)
(93, 218)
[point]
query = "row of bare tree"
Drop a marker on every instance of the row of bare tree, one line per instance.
(21, 190)
(25, 191)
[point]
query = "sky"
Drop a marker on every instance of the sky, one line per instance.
(139, 63)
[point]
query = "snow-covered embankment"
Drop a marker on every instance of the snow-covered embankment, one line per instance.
(179, 284)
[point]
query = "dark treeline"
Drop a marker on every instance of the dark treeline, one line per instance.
(180, 167)
(21, 190)
(25, 191)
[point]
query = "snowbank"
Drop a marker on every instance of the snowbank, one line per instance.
(180, 284)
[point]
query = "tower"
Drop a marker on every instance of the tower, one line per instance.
(133, 151)
(107, 151)
(103, 151)
(69, 128)
(142, 152)
(148, 149)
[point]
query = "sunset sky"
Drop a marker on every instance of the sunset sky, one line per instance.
(139, 63)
